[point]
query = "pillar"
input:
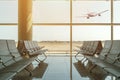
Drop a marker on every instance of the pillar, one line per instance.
(24, 19)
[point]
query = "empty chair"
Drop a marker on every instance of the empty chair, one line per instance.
(110, 61)
(83, 49)
(31, 50)
(38, 48)
(103, 52)
(111, 56)
(93, 47)
(13, 50)
(4, 58)
(5, 55)
(10, 60)
(106, 49)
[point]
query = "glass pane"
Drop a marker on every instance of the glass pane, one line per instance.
(91, 11)
(81, 33)
(117, 11)
(9, 32)
(8, 11)
(51, 33)
(57, 36)
(51, 11)
(116, 32)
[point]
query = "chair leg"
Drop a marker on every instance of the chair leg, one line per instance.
(77, 58)
(43, 59)
(45, 56)
(28, 71)
(112, 78)
(91, 68)
(37, 60)
(117, 78)
(85, 60)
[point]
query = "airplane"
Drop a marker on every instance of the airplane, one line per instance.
(93, 14)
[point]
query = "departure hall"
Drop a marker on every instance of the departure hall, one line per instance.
(59, 39)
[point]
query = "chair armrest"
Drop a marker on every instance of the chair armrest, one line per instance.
(12, 55)
(42, 47)
(2, 62)
(118, 58)
(76, 50)
(78, 46)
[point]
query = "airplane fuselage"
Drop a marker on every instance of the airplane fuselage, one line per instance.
(92, 15)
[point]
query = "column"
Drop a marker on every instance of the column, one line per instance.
(24, 19)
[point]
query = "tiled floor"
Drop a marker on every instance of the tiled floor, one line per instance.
(58, 68)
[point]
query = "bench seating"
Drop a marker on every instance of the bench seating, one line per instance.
(92, 48)
(31, 49)
(108, 59)
(82, 49)
(111, 64)
(10, 60)
(37, 50)
(103, 52)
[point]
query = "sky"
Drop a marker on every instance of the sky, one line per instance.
(59, 13)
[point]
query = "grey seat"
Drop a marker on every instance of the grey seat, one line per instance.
(84, 48)
(4, 54)
(109, 58)
(31, 50)
(7, 75)
(103, 53)
(95, 48)
(10, 60)
(92, 48)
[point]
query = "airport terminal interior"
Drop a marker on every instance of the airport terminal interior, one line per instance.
(59, 40)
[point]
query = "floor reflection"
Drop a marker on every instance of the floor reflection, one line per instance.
(81, 69)
(37, 72)
(58, 68)
(84, 71)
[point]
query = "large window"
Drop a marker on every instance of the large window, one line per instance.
(82, 33)
(51, 33)
(8, 16)
(58, 20)
(54, 11)
(54, 38)
(117, 12)
(9, 32)
(116, 32)
(8, 11)
(91, 11)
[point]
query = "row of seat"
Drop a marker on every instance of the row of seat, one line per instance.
(108, 59)
(31, 48)
(11, 62)
(89, 48)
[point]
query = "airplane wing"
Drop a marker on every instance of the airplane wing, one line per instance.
(102, 12)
